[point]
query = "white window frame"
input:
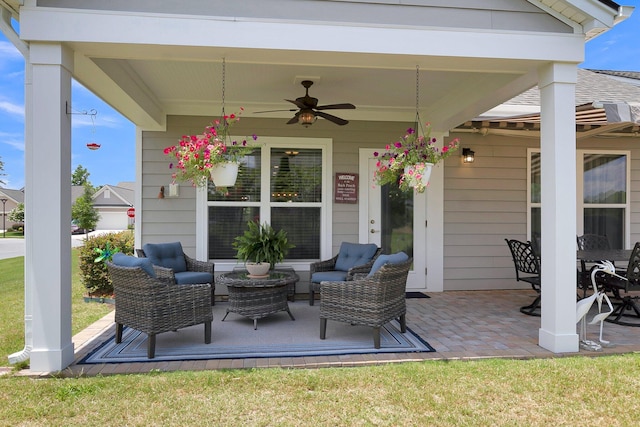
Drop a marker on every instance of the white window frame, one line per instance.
(580, 205)
(326, 214)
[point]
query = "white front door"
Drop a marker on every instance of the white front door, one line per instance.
(389, 219)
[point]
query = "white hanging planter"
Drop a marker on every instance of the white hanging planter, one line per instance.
(417, 176)
(224, 174)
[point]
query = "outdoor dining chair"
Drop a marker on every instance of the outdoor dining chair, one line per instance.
(527, 266)
(588, 242)
(154, 305)
(626, 307)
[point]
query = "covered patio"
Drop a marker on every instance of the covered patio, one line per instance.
(460, 325)
(162, 70)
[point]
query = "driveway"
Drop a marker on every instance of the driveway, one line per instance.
(12, 247)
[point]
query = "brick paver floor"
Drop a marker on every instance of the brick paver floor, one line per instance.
(458, 324)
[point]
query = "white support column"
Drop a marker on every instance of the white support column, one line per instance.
(558, 169)
(434, 238)
(48, 214)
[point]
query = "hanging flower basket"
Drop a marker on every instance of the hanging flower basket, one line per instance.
(224, 174)
(408, 161)
(417, 176)
(196, 155)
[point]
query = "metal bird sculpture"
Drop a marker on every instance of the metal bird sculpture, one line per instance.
(584, 305)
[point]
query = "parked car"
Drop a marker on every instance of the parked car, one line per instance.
(75, 229)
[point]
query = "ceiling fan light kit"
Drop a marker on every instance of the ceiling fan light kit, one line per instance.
(307, 118)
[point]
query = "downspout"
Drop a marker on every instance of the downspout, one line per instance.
(10, 33)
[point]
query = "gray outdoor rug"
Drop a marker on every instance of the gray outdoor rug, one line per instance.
(276, 336)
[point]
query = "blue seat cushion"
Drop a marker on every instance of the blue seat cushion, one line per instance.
(396, 258)
(354, 254)
(130, 261)
(168, 255)
(329, 276)
(193, 277)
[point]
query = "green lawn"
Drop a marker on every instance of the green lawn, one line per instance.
(12, 305)
(12, 234)
(563, 391)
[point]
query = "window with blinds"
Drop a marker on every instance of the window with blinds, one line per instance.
(289, 193)
(602, 209)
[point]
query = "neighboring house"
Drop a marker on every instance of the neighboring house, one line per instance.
(163, 70)
(13, 198)
(112, 203)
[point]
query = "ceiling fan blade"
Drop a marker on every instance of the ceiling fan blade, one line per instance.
(334, 119)
(297, 103)
(274, 111)
(294, 119)
(336, 107)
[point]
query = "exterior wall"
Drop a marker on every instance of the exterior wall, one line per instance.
(171, 219)
(515, 15)
(486, 202)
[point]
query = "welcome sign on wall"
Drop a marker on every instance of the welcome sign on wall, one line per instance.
(346, 187)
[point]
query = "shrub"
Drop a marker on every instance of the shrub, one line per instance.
(94, 274)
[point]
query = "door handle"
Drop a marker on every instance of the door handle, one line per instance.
(374, 231)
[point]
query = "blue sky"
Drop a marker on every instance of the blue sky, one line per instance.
(618, 49)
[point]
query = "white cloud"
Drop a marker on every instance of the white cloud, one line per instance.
(13, 140)
(11, 108)
(8, 51)
(99, 121)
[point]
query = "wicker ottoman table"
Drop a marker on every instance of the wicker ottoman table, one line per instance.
(256, 298)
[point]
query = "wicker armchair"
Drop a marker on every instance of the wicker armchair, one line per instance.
(155, 305)
(329, 271)
(170, 262)
(371, 300)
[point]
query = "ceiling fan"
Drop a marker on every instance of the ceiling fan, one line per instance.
(309, 110)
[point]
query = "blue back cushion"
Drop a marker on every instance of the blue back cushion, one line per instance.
(396, 258)
(354, 254)
(168, 255)
(130, 261)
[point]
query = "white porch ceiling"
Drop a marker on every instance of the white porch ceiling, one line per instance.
(177, 81)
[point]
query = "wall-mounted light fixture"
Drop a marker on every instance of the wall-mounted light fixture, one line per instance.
(468, 156)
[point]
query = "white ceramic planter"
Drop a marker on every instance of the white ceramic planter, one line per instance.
(426, 172)
(224, 174)
(258, 269)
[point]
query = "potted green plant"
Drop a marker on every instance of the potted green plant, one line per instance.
(262, 246)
